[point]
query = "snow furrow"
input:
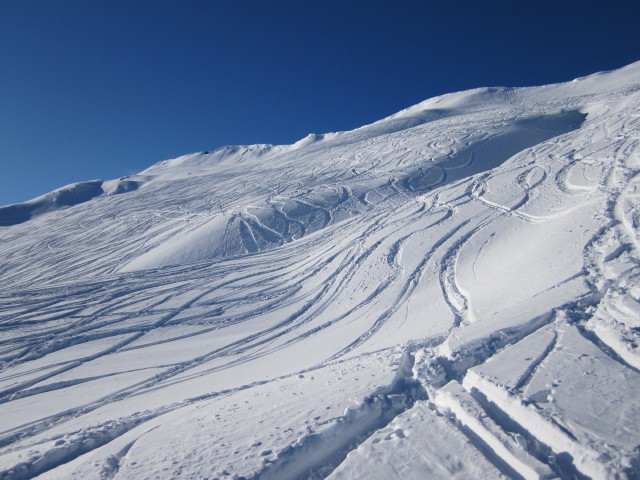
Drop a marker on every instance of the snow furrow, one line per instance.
(318, 454)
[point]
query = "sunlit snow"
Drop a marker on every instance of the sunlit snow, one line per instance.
(450, 292)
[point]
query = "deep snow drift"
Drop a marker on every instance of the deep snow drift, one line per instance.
(450, 292)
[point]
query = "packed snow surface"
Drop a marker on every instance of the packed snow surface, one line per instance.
(450, 292)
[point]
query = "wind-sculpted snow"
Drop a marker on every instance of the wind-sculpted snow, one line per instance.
(450, 292)
(68, 196)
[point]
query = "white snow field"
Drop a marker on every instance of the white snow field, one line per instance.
(450, 292)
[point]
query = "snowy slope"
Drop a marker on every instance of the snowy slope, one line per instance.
(450, 292)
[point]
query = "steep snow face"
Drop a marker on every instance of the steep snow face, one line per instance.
(450, 292)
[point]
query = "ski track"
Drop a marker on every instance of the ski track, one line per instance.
(329, 258)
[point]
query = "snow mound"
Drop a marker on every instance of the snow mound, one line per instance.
(68, 196)
(62, 198)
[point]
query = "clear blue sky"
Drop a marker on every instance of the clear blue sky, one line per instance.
(100, 89)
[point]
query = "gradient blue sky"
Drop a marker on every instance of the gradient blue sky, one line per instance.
(101, 89)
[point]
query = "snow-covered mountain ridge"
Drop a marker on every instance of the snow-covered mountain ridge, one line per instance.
(450, 292)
